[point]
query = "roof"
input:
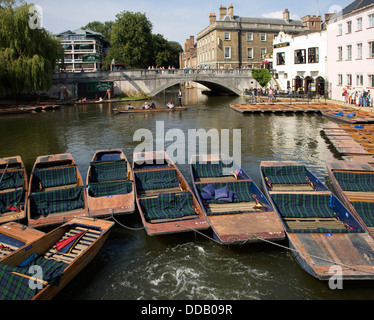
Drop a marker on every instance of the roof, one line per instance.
(81, 31)
(273, 21)
(355, 5)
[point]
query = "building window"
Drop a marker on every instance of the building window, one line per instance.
(371, 49)
(340, 79)
(249, 36)
(300, 56)
(263, 37)
(227, 35)
(340, 53)
(263, 51)
(250, 53)
(212, 54)
(227, 52)
(340, 29)
(371, 80)
(359, 80)
(359, 50)
(359, 23)
(349, 52)
(313, 56)
(281, 58)
(349, 27)
(349, 79)
(371, 20)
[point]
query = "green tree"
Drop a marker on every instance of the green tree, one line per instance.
(262, 76)
(27, 55)
(165, 53)
(131, 40)
(105, 28)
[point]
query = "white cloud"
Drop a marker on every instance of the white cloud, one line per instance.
(279, 15)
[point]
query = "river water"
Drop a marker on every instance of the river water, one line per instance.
(134, 266)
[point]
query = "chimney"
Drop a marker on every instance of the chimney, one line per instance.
(192, 42)
(222, 12)
(286, 15)
(231, 11)
(212, 18)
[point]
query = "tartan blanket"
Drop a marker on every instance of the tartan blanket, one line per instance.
(12, 180)
(105, 189)
(366, 212)
(286, 174)
(355, 181)
(211, 169)
(15, 198)
(168, 206)
(55, 177)
(303, 205)
(109, 171)
(155, 180)
(63, 200)
(15, 287)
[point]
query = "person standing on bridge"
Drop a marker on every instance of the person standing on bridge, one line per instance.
(180, 97)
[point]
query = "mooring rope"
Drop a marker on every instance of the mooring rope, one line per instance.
(126, 227)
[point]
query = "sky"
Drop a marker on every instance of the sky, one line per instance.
(176, 20)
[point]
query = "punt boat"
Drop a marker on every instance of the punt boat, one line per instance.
(13, 190)
(325, 238)
(56, 191)
(353, 183)
(41, 269)
(165, 201)
(236, 209)
(110, 184)
(14, 235)
(155, 110)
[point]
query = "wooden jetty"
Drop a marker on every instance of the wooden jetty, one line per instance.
(351, 140)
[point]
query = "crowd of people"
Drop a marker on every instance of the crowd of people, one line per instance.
(360, 98)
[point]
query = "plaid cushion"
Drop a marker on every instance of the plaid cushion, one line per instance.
(303, 205)
(15, 287)
(55, 177)
(44, 203)
(366, 212)
(325, 230)
(15, 198)
(155, 180)
(109, 171)
(286, 174)
(12, 179)
(168, 206)
(210, 169)
(242, 190)
(355, 181)
(104, 189)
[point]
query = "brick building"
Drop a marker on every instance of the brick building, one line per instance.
(188, 58)
(241, 42)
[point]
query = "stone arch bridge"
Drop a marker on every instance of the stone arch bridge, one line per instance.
(152, 82)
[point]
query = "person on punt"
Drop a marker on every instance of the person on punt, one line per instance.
(145, 106)
(129, 107)
(170, 105)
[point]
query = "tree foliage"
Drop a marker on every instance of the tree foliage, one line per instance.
(105, 28)
(27, 55)
(262, 76)
(133, 43)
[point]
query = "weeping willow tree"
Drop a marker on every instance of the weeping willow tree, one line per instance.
(27, 55)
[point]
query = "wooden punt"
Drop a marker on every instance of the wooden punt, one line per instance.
(123, 110)
(13, 190)
(110, 184)
(350, 116)
(246, 216)
(56, 191)
(14, 235)
(321, 231)
(165, 201)
(53, 266)
(353, 182)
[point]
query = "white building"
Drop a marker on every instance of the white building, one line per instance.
(350, 35)
(299, 61)
(84, 50)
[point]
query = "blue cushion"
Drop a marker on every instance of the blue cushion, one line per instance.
(221, 193)
(206, 196)
(230, 198)
(210, 190)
